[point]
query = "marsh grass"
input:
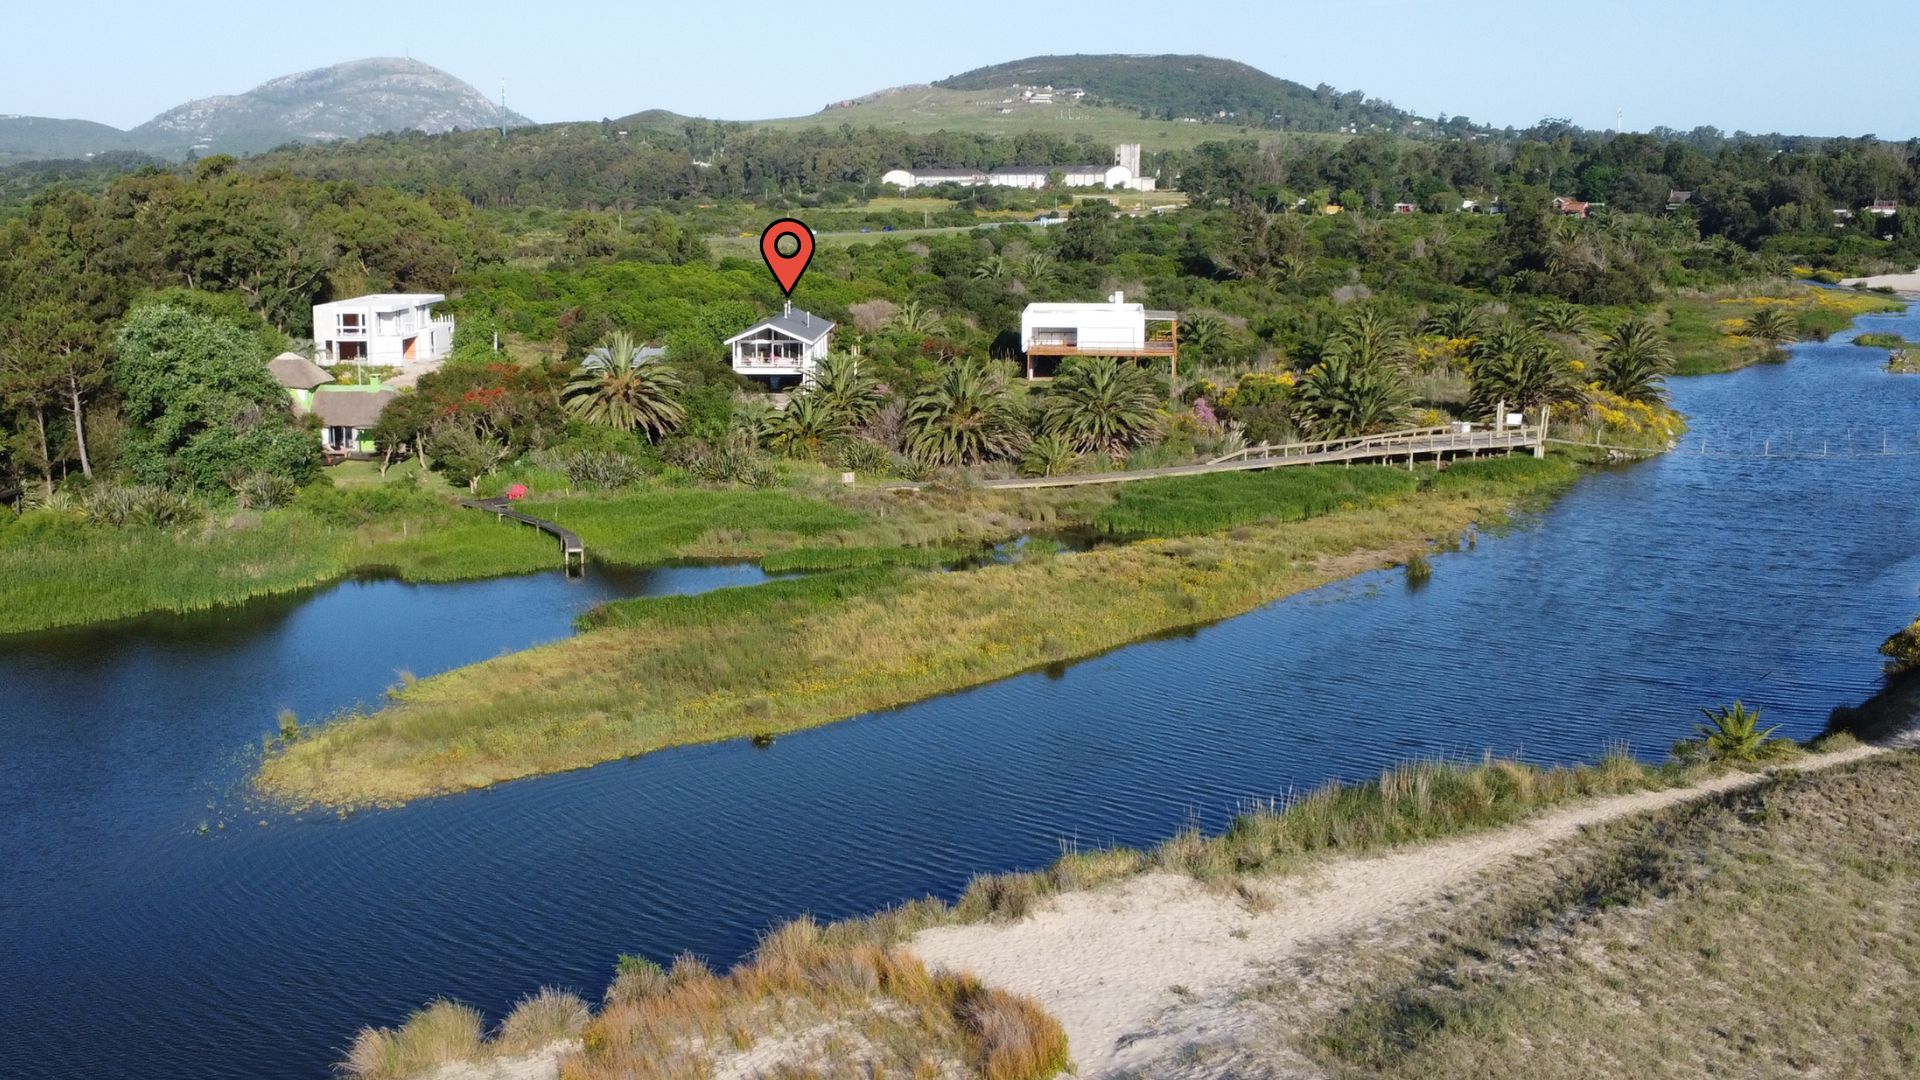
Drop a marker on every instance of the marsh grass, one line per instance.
(847, 558)
(797, 653)
(1187, 505)
(1700, 327)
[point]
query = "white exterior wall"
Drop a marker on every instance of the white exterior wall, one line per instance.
(899, 178)
(746, 362)
(384, 326)
(1113, 325)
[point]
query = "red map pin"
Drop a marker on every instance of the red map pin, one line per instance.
(787, 268)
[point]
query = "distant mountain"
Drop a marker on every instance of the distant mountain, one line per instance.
(1172, 87)
(25, 138)
(345, 101)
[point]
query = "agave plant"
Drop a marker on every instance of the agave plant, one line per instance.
(1732, 735)
(993, 268)
(1102, 405)
(1633, 360)
(618, 387)
(1049, 455)
(965, 415)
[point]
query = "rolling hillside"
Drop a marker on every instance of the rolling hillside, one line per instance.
(1197, 87)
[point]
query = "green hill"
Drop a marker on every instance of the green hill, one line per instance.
(1199, 88)
(924, 110)
(26, 138)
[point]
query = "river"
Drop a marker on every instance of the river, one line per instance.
(153, 923)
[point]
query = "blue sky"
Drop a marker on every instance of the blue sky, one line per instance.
(1758, 65)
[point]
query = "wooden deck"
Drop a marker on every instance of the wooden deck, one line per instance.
(1389, 448)
(572, 551)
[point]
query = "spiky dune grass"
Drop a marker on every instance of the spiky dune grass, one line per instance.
(664, 672)
(802, 1005)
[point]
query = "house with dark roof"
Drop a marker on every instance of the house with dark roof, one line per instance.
(782, 349)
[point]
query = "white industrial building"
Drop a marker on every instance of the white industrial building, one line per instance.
(1115, 328)
(1123, 172)
(388, 329)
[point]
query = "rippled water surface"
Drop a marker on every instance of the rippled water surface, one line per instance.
(134, 943)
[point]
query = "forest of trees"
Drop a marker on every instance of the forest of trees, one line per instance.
(534, 248)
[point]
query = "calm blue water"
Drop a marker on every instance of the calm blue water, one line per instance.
(132, 944)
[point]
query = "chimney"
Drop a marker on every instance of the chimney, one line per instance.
(1118, 297)
(789, 310)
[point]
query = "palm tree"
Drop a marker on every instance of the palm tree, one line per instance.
(618, 387)
(1460, 320)
(1101, 405)
(993, 268)
(1039, 267)
(916, 318)
(964, 415)
(806, 426)
(1373, 334)
(1771, 327)
(1560, 317)
(1348, 393)
(844, 387)
(1203, 336)
(1514, 364)
(1634, 360)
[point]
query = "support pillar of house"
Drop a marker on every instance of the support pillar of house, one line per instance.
(1029, 367)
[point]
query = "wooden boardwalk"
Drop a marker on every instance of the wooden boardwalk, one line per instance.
(1390, 447)
(573, 553)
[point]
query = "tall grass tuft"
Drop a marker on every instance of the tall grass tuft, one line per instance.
(541, 1020)
(443, 1033)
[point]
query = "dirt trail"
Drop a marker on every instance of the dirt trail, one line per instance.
(1142, 969)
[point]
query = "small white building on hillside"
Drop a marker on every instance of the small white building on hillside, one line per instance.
(391, 329)
(1115, 328)
(1123, 172)
(783, 349)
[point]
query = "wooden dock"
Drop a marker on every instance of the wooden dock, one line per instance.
(573, 553)
(1393, 447)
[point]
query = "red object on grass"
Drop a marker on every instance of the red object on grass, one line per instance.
(517, 491)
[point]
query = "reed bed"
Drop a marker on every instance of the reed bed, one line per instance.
(795, 560)
(1190, 505)
(794, 654)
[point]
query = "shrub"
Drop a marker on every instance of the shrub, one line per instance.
(1902, 650)
(141, 504)
(593, 467)
(443, 1033)
(860, 455)
(262, 490)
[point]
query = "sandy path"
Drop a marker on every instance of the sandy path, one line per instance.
(1139, 970)
(1904, 284)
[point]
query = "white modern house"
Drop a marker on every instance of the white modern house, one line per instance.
(1123, 172)
(391, 329)
(1115, 328)
(783, 349)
